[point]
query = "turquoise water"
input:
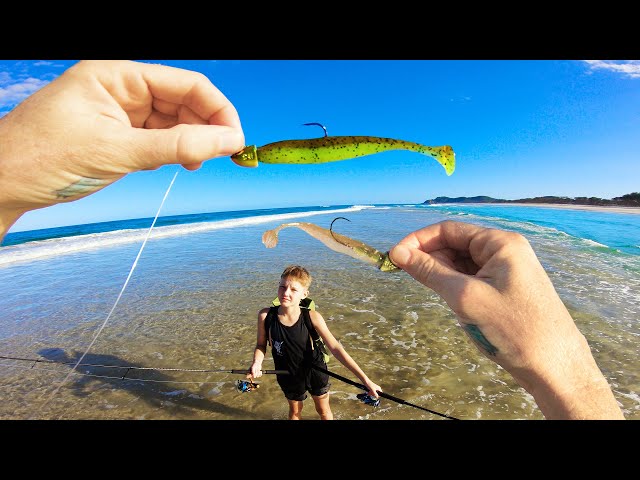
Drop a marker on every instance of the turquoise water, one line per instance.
(617, 231)
(192, 300)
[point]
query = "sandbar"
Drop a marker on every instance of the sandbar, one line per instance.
(595, 208)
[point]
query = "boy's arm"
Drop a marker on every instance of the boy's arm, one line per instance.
(338, 351)
(261, 346)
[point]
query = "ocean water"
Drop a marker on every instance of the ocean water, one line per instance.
(188, 314)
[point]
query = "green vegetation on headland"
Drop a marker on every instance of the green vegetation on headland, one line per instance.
(628, 200)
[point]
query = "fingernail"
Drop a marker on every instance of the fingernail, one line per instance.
(231, 141)
(400, 254)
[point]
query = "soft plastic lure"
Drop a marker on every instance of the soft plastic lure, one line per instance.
(332, 149)
(336, 242)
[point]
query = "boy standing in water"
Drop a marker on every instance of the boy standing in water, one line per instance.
(292, 350)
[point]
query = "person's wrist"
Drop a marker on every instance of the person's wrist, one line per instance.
(572, 387)
(588, 398)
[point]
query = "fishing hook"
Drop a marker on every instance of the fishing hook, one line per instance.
(320, 125)
(331, 231)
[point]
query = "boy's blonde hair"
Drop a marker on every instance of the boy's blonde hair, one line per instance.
(299, 274)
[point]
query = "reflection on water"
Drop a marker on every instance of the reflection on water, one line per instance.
(192, 304)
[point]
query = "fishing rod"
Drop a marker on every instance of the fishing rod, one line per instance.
(381, 394)
(132, 367)
(240, 371)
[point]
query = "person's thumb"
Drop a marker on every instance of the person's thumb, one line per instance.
(185, 144)
(445, 281)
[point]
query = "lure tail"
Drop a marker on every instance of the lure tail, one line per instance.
(443, 155)
(270, 238)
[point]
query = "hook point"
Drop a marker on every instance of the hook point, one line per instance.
(319, 124)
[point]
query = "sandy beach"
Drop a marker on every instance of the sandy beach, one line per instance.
(633, 210)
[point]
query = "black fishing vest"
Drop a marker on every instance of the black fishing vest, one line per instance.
(291, 346)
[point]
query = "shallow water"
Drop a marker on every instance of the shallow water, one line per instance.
(192, 303)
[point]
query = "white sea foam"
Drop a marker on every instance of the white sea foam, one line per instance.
(30, 251)
(407, 345)
(413, 316)
(631, 396)
(594, 243)
(360, 207)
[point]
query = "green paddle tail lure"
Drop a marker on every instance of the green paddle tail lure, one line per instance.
(336, 242)
(332, 149)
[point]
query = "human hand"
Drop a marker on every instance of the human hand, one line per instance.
(507, 305)
(99, 121)
(374, 388)
(255, 371)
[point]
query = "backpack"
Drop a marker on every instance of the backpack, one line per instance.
(306, 304)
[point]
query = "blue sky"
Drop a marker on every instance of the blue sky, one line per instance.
(519, 129)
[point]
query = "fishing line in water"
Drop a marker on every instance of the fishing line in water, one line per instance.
(135, 262)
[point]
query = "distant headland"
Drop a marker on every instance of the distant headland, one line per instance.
(628, 200)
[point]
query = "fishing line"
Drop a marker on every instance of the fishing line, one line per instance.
(110, 377)
(128, 368)
(135, 262)
(133, 367)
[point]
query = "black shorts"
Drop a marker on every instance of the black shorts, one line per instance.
(295, 387)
